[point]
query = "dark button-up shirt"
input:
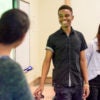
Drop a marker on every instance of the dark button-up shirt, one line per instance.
(66, 57)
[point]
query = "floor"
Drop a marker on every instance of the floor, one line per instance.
(48, 91)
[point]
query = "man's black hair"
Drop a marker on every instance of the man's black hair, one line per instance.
(14, 24)
(65, 7)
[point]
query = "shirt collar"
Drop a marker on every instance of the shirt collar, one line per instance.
(62, 32)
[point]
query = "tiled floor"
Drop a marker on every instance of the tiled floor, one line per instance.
(48, 91)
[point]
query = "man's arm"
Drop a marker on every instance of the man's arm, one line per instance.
(45, 69)
(83, 65)
(46, 66)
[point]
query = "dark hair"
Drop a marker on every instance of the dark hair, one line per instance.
(14, 24)
(65, 7)
(98, 30)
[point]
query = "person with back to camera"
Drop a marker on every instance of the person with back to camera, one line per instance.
(14, 24)
(66, 47)
(93, 60)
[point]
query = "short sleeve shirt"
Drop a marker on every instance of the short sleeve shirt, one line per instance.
(66, 54)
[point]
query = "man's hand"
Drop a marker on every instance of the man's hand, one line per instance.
(38, 92)
(86, 91)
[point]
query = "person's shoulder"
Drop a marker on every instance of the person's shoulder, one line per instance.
(10, 64)
(56, 32)
(9, 68)
(93, 41)
(6, 60)
(78, 32)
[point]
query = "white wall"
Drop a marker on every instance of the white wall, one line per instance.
(87, 17)
(23, 51)
(34, 40)
(48, 23)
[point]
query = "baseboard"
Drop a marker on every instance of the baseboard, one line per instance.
(37, 81)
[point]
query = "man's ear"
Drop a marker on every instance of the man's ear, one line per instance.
(72, 17)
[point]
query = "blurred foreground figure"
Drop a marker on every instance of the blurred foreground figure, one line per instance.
(14, 24)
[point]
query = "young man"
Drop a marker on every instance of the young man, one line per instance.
(66, 48)
(14, 24)
(93, 59)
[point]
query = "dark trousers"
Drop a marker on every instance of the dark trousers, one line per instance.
(94, 89)
(68, 93)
